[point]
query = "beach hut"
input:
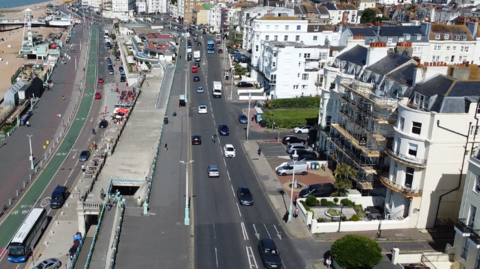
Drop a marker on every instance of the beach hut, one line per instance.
(11, 96)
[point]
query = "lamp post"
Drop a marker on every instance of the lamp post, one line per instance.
(295, 158)
(187, 206)
(233, 78)
(31, 153)
(248, 113)
(340, 222)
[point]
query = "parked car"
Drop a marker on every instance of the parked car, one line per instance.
(308, 157)
(213, 171)
(242, 118)
(98, 95)
(302, 129)
(292, 139)
(196, 78)
(223, 129)
(318, 190)
(220, 51)
(49, 264)
(120, 68)
(297, 146)
(243, 84)
(202, 108)
(84, 155)
(244, 195)
(234, 52)
(194, 69)
(196, 140)
(229, 151)
(103, 124)
(269, 253)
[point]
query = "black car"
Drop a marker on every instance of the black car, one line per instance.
(234, 52)
(84, 156)
(318, 190)
(123, 78)
(103, 124)
(292, 139)
(308, 157)
(223, 129)
(196, 140)
(120, 68)
(243, 84)
(269, 253)
(196, 78)
(109, 60)
(244, 195)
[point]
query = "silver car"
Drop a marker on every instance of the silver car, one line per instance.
(49, 264)
(298, 146)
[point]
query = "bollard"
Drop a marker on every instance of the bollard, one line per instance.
(36, 169)
(17, 192)
(9, 202)
(24, 184)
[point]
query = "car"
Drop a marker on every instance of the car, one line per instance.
(199, 89)
(199, 43)
(123, 78)
(243, 84)
(229, 151)
(194, 69)
(307, 157)
(292, 139)
(103, 124)
(98, 95)
(51, 263)
(196, 140)
(25, 117)
(100, 80)
(109, 60)
(84, 155)
(244, 196)
(234, 52)
(269, 253)
(302, 129)
(213, 171)
(318, 190)
(242, 118)
(120, 68)
(196, 78)
(223, 129)
(220, 51)
(298, 146)
(202, 108)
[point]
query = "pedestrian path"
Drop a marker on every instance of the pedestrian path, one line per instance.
(99, 255)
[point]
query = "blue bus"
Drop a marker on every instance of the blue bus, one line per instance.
(27, 235)
(210, 46)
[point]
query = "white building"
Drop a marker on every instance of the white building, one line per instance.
(342, 13)
(157, 6)
(121, 6)
(291, 69)
(173, 9)
(141, 6)
(93, 3)
(364, 4)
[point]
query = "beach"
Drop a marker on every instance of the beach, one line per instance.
(9, 48)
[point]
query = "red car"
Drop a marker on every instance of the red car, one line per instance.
(98, 95)
(220, 51)
(100, 80)
(194, 69)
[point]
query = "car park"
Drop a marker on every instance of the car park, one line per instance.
(243, 119)
(244, 196)
(196, 78)
(199, 89)
(100, 80)
(103, 124)
(292, 139)
(229, 151)
(302, 129)
(223, 129)
(202, 108)
(243, 84)
(194, 69)
(196, 140)
(213, 171)
(98, 95)
(269, 253)
(84, 155)
(49, 264)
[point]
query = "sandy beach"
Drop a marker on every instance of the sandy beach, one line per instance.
(9, 48)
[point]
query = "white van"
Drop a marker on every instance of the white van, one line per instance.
(301, 168)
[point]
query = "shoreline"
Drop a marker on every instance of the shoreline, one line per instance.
(34, 6)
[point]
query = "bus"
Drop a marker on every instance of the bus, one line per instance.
(27, 235)
(210, 46)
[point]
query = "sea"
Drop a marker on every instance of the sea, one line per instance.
(19, 3)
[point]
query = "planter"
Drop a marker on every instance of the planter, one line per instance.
(333, 217)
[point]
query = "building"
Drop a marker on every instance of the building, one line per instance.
(364, 4)
(218, 18)
(312, 12)
(141, 6)
(121, 6)
(342, 13)
(200, 14)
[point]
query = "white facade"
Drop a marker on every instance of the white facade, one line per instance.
(120, 6)
(173, 10)
(291, 69)
(364, 4)
(337, 15)
(141, 6)
(214, 17)
(451, 51)
(93, 3)
(154, 6)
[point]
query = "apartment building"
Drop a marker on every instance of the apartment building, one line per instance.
(173, 10)
(364, 4)
(93, 3)
(342, 13)
(141, 6)
(291, 69)
(311, 12)
(217, 17)
(122, 7)
(200, 14)
(157, 6)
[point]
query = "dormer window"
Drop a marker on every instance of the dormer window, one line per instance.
(446, 36)
(401, 39)
(437, 36)
(407, 37)
(457, 37)
(419, 36)
(464, 37)
(315, 28)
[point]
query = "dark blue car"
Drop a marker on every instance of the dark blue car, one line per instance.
(223, 129)
(242, 118)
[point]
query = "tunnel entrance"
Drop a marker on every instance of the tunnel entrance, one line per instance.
(89, 221)
(124, 190)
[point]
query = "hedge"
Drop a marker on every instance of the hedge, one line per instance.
(290, 118)
(304, 102)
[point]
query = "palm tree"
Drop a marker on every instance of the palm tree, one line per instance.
(343, 173)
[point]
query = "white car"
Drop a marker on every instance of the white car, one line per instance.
(202, 108)
(302, 129)
(213, 171)
(229, 151)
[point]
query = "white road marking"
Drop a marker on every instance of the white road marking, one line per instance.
(278, 233)
(225, 162)
(269, 236)
(256, 233)
(233, 191)
(228, 174)
(214, 232)
(244, 230)
(239, 210)
(251, 258)
(216, 257)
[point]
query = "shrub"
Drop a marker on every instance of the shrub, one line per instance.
(347, 202)
(304, 102)
(7, 128)
(333, 212)
(311, 201)
(325, 202)
(343, 218)
(355, 218)
(289, 118)
(307, 208)
(320, 220)
(356, 251)
(335, 200)
(360, 212)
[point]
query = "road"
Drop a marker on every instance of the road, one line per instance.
(63, 168)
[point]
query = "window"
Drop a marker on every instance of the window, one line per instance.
(447, 58)
(397, 146)
(437, 36)
(419, 36)
(315, 38)
(273, 78)
(275, 37)
(421, 101)
(295, 87)
(477, 262)
(306, 55)
(390, 40)
(304, 87)
(401, 123)
(305, 77)
(297, 38)
(454, 48)
(416, 128)
(315, 28)
(267, 37)
(273, 64)
(258, 37)
(452, 59)
(323, 56)
(268, 27)
(464, 253)
(274, 54)
(256, 47)
(464, 49)
(448, 47)
(471, 218)
(445, 36)
(437, 47)
(299, 73)
(276, 27)
(285, 38)
(407, 37)
(457, 37)
(286, 27)
(412, 149)
(409, 177)
(435, 58)
(299, 27)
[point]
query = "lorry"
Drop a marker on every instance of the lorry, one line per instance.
(196, 56)
(217, 89)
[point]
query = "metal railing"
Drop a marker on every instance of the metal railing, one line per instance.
(399, 188)
(407, 158)
(92, 246)
(121, 203)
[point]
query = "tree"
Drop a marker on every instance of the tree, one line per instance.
(368, 16)
(356, 251)
(342, 174)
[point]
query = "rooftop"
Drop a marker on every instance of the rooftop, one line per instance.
(283, 44)
(356, 55)
(452, 30)
(278, 18)
(388, 63)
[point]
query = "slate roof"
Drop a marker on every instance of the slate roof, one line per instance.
(400, 30)
(452, 30)
(330, 6)
(388, 63)
(362, 31)
(436, 85)
(404, 75)
(322, 9)
(356, 55)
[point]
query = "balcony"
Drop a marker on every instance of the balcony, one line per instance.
(318, 83)
(406, 159)
(406, 192)
(462, 228)
(365, 90)
(363, 125)
(355, 142)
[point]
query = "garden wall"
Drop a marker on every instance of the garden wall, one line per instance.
(361, 200)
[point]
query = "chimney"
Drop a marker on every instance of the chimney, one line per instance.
(426, 28)
(472, 28)
(376, 52)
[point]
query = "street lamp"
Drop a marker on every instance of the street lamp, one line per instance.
(340, 222)
(31, 153)
(187, 206)
(233, 78)
(295, 158)
(248, 113)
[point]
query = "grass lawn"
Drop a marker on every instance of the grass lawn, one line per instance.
(289, 118)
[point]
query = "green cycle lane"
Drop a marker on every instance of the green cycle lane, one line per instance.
(18, 214)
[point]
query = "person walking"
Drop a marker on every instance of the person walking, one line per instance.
(296, 213)
(166, 147)
(83, 168)
(63, 97)
(28, 123)
(328, 262)
(285, 217)
(259, 150)
(102, 193)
